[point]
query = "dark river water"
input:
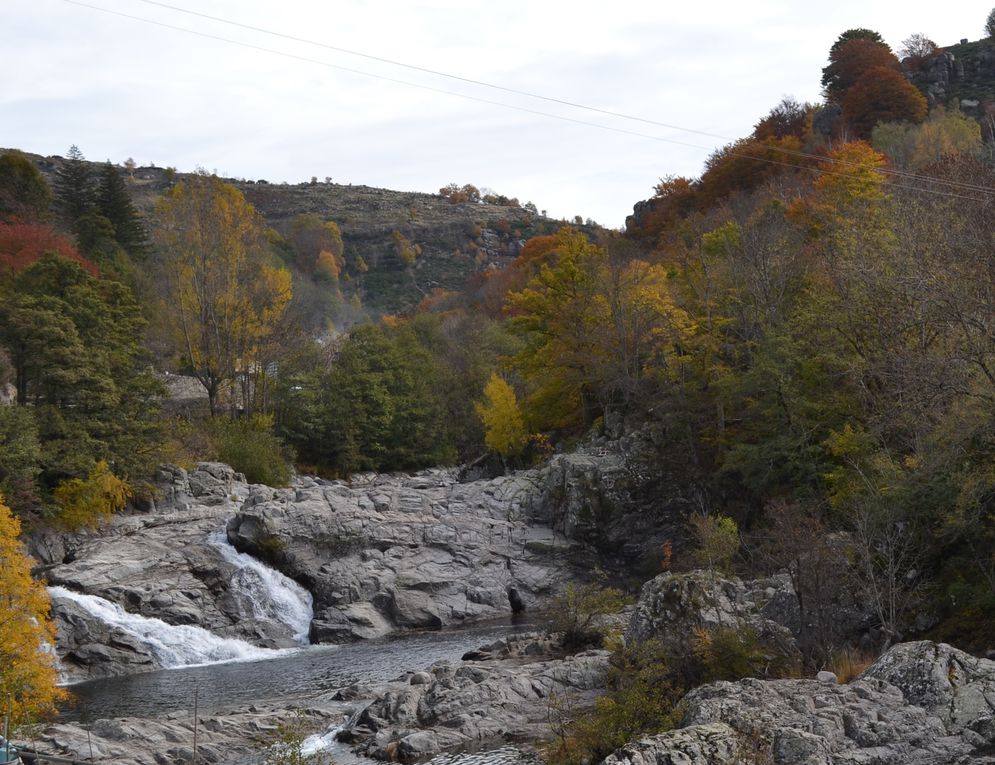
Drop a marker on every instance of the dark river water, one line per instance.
(300, 673)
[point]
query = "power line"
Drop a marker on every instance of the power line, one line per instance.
(526, 110)
(427, 70)
(550, 99)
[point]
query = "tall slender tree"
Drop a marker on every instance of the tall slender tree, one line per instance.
(225, 297)
(114, 203)
(74, 190)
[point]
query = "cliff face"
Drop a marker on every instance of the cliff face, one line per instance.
(961, 75)
(455, 240)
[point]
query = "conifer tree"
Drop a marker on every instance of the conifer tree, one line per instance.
(114, 203)
(74, 193)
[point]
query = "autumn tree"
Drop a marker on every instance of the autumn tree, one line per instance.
(789, 117)
(882, 95)
(850, 60)
(22, 244)
(504, 428)
(592, 329)
(716, 540)
(28, 675)
(24, 194)
(310, 236)
(456, 194)
(943, 135)
(225, 299)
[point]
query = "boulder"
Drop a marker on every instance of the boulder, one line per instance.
(673, 607)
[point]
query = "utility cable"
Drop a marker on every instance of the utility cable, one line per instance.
(563, 102)
(526, 110)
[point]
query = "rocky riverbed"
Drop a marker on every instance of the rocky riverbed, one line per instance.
(381, 554)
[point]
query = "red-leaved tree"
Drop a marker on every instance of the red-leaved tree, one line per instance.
(21, 244)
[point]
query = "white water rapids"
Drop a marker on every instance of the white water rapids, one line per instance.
(173, 645)
(274, 597)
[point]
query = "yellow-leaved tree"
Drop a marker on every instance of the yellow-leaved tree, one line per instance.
(224, 298)
(84, 502)
(596, 329)
(504, 428)
(28, 678)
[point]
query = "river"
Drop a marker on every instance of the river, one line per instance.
(296, 674)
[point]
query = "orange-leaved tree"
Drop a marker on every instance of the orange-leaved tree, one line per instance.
(852, 59)
(882, 95)
(28, 677)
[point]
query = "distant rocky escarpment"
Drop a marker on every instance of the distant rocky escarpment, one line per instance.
(454, 241)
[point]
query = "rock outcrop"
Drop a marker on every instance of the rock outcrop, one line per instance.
(673, 607)
(422, 551)
(919, 703)
(503, 694)
(378, 553)
(234, 737)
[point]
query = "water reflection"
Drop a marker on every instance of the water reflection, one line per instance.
(304, 673)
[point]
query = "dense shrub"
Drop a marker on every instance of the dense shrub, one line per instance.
(577, 612)
(640, 699)
(84, 502)
(250, 447)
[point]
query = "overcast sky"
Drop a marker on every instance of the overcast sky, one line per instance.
(119, 87)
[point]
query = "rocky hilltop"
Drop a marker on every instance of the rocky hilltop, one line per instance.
(958, 76)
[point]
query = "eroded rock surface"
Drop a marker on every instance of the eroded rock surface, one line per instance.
(503, 694)
(423, 551)
(919, 704)
(235, 737)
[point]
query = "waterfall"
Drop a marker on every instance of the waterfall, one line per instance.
(173, 645)
(274, 597)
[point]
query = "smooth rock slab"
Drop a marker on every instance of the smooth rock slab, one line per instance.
(386, 552)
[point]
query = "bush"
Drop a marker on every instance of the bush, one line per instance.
(250, 447)
(84, 502)
(577, 610)
(641, 698)
(732, 653)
